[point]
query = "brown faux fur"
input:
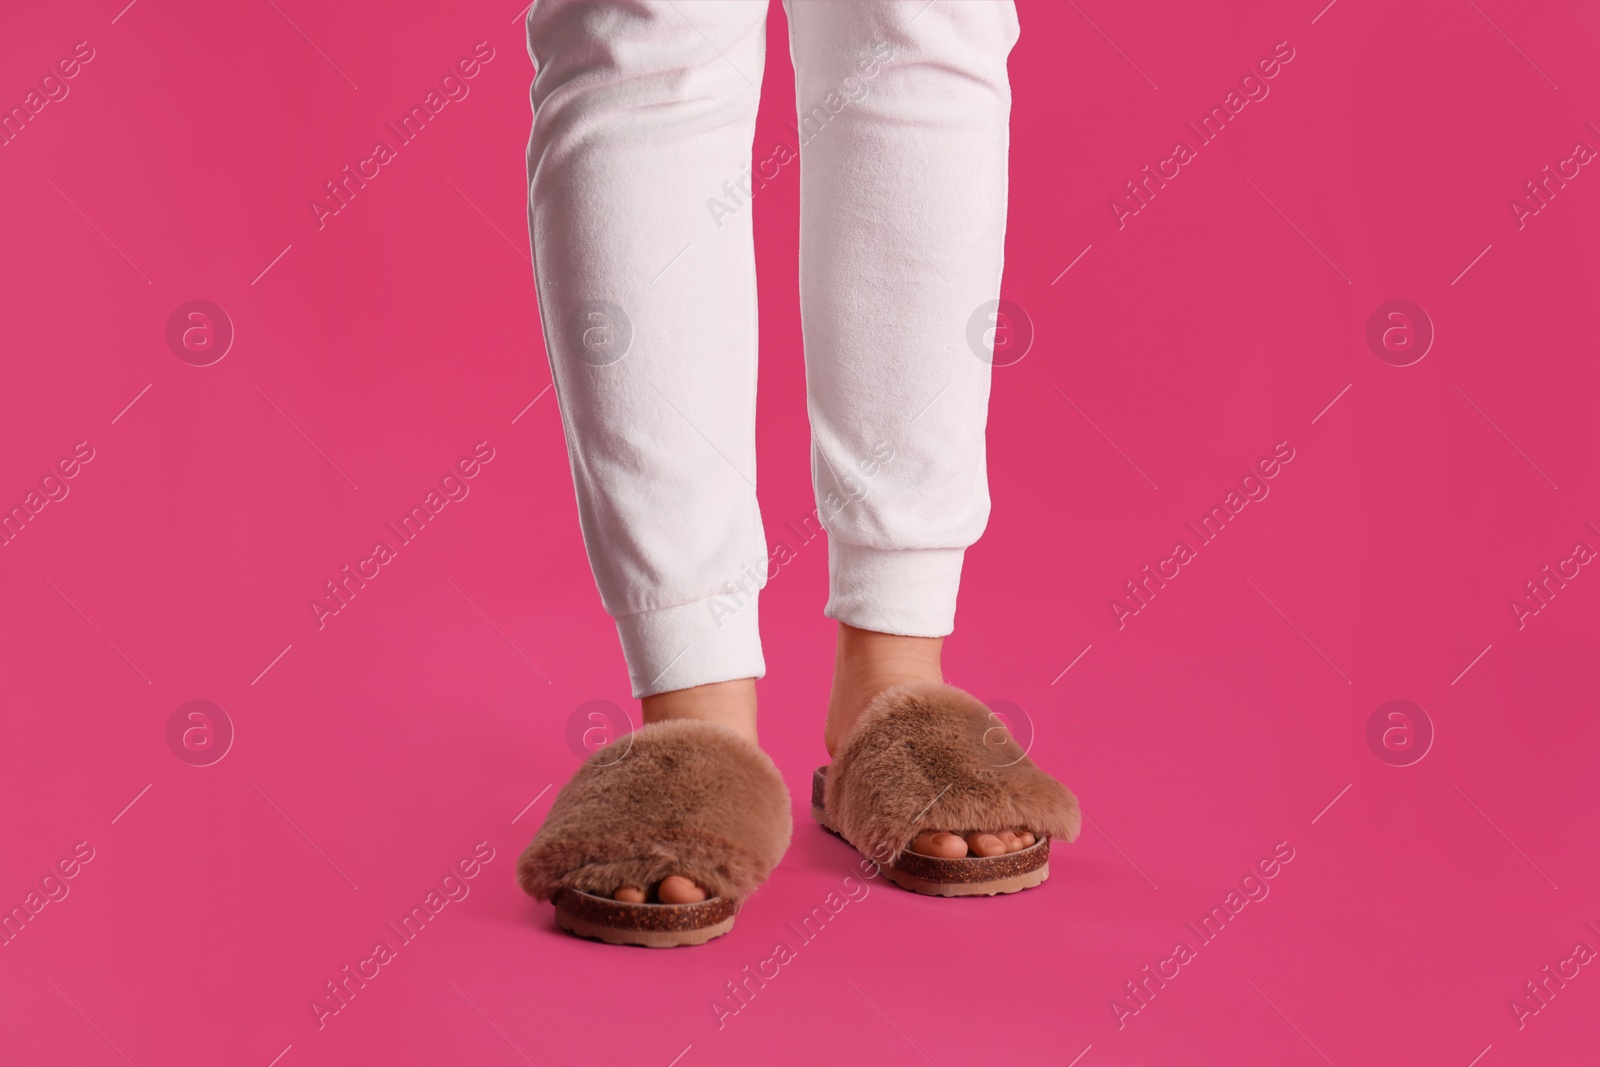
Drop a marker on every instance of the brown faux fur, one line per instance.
(916, 760)
(689, 797)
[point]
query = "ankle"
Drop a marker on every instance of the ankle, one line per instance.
(733, 704)
(867, 662)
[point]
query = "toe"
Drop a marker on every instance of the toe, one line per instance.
(1027, 838)
(676, 889)
(983, 844)
(940, 845)
(1010, 839)
(630, 894)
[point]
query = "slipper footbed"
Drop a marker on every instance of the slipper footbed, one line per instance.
(929, 756)
(683, 797)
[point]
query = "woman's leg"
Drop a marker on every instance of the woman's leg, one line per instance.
(642, 113)
(904, 110)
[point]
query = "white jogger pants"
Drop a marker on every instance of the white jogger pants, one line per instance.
(641, 172)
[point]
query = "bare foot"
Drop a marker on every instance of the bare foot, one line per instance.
(866, 663)
(733, 704)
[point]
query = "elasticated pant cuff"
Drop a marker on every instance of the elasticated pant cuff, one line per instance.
(894, 591)
(704, 641)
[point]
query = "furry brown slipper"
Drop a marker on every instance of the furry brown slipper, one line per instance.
(928, 756)
(685, 797)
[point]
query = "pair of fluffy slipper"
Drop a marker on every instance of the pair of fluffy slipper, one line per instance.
(698, 800)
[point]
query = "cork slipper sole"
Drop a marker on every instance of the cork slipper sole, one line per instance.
(929, 756)
(684, 797)
(649, 925)
(969, 876)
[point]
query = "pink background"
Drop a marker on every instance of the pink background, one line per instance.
(1224, 718)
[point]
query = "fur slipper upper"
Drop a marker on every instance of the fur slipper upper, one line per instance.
(928, 756)
(687, 797)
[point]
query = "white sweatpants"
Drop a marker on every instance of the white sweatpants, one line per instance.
(640, 178)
